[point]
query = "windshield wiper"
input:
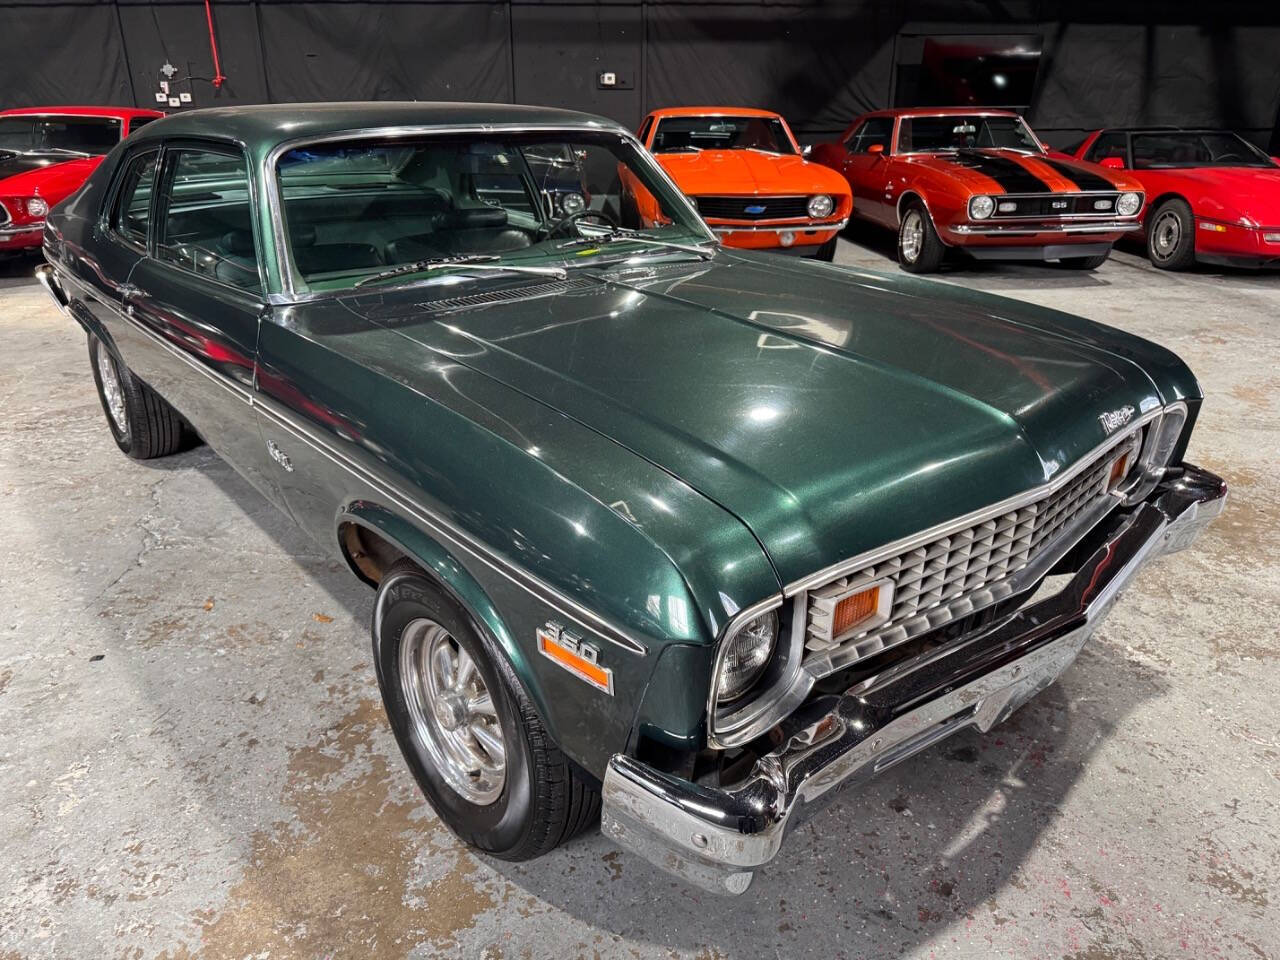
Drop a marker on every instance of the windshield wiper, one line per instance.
(617, 235)
(65, 150)
(476, 261)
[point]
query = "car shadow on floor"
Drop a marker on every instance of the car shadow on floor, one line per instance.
(19, 270)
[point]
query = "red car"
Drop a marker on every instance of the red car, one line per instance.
(979, 181)
(45, 154)
(1214, 197)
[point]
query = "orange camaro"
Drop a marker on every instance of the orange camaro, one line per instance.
(744, 170)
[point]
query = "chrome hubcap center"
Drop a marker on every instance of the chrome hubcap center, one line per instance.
(451, 711)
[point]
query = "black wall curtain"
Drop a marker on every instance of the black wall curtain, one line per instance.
(820, 62)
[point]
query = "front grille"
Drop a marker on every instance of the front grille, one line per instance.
(4, 215)
(959, 573)
(753, 208)
(1057, 205)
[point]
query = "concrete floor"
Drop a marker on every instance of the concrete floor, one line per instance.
(194, 759)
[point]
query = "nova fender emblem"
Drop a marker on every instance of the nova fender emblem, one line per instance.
(1113, 420)
(580, 658)
(754, 209)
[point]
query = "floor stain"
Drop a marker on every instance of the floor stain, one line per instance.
(319, 887)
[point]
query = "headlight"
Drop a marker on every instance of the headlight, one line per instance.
(745, 655)
(36, 207)
(1128, 204)
(1170, 430)
(981, 207)
(821, 206)
(571, 203)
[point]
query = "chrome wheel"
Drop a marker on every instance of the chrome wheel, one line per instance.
(1166, 235)
(912, 236)
(452, 716)
(112, 389)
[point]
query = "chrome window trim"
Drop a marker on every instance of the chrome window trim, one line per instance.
(562, 604)
(226, 148)
(289, 278)
(910, 542)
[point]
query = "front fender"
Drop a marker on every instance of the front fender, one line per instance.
(437, 561)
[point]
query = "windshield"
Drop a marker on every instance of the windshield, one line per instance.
(55, 134)
(681, 134)
(933, 134)
(355, 210)
(1155, 150)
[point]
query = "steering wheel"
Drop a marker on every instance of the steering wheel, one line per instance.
(577, 215)
(1230, 156)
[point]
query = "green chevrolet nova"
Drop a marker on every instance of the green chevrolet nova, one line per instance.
(664, 535)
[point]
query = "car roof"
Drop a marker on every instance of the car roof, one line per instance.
(1164, 130)
(714, 112)
(263, 126)
(119, 112)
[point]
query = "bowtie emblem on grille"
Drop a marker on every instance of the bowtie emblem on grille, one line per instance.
(1113, 420)
(754, 209)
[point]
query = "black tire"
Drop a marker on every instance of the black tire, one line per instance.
(1171, 235)
(545, 798)
(143, 425)
(1085, 263)
(925, 254)
(826, 252)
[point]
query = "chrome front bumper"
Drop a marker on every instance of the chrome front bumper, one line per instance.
(716, 838)
(1031, 229)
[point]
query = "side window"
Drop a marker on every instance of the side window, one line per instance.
(1109, 145)
(208, 220)
(851, 141)
(132, 211)
(644, 129)
(137, 123)
(877, 130)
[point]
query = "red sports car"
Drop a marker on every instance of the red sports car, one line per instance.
(982, 182)
(1214, 197)
(45, 154)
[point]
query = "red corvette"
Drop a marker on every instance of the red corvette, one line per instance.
(982, 182)
(45, 154)
(1214, 197)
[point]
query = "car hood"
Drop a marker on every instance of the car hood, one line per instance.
(22, 174)
(1236, 192)
(1012, 171)
(736, 172)
(830, 411)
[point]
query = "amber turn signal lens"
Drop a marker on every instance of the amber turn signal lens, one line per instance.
(855, 608)
(1118, 470)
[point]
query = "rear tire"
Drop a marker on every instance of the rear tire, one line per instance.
(1084, 263)
(540, 798)
(142, 423)
(920, 250)
(1171, 241)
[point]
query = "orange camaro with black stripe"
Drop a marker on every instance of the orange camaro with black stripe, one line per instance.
(979, 181)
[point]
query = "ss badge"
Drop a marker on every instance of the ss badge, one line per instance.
(580, 658)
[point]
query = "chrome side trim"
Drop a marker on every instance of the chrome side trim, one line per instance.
(547, 594)
(914, 540)
(455, 535)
